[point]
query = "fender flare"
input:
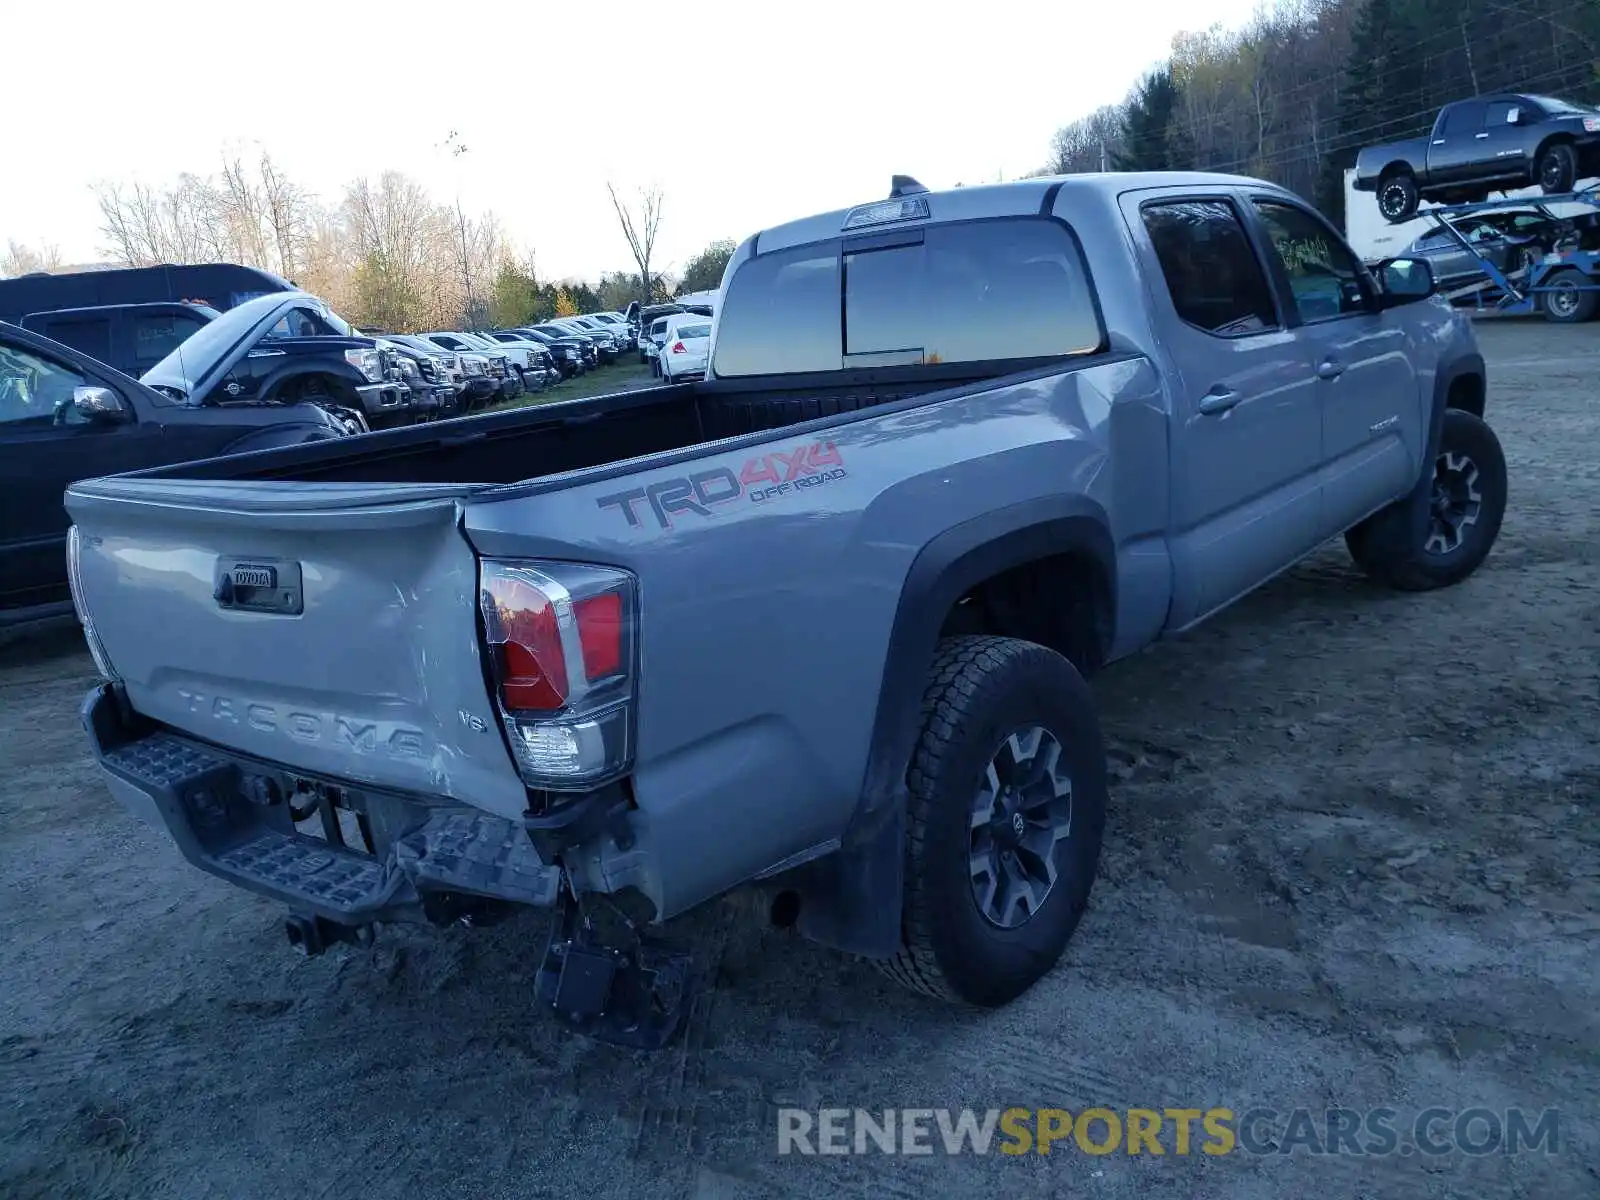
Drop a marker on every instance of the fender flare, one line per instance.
(851, 899)
(1464, 366)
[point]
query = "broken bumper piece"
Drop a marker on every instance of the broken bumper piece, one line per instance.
(235, 819)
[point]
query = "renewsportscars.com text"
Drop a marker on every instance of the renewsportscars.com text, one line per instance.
(1175, 1131)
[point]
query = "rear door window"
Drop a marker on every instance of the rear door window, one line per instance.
(983, 291)
(1215, 280)
(1464, 119)
(155, 337)
(92, 335)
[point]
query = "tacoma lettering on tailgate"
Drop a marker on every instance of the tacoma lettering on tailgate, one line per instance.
(384, 738)
(760, 480)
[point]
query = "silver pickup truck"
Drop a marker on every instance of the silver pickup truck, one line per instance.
(817, 626)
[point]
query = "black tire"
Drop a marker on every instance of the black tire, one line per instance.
(980, 691)
(1568, 298)
(1413, 550)
(1557, 169)
(1398, 197)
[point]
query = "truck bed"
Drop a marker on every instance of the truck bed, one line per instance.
(550, 439)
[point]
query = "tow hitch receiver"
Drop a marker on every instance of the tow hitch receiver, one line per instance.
(633, 995)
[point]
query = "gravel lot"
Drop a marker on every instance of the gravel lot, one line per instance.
(1351, 862)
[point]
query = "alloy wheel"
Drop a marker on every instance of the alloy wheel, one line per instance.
(1455, 505)
(1022, 809)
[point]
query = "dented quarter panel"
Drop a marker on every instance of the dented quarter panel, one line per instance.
(766, 610)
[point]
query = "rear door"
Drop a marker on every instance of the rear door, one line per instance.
(1453, 151)
(1367, 390)
(1502, 144)
(1247, 437)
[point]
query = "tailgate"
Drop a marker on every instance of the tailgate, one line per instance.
(328, 627)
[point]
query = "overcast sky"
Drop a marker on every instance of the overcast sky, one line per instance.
(757, 112)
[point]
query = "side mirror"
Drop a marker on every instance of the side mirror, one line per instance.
(1405, 280)
(99, 405)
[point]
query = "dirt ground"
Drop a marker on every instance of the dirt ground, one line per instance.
(1352, 861)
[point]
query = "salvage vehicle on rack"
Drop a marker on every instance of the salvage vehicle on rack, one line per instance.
(588, 655)
(1484, 145)
(65, 415)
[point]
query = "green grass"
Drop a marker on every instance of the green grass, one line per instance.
(627, 374)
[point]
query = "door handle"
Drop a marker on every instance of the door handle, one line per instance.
(1219, 399)
(265, 354)
(1328, 369)
(1481, 135)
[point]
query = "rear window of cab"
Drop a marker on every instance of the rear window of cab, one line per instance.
(980, 291)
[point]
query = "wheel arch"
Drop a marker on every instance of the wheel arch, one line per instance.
(851, 899)
(295, 378)
(1560, 137)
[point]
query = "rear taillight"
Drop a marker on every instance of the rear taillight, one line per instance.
(561, 641)
(677, 348)
(75, 586)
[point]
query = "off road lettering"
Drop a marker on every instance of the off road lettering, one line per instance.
(759, 480)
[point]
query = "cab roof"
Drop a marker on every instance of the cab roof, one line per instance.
(1020, 197)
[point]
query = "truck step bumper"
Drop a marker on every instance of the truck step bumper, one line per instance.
(231, 816)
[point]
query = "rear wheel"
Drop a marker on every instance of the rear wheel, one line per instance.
(1568, 297)
(1007, 799)
(1557, 169)
(1398, 197)
(1466, 503)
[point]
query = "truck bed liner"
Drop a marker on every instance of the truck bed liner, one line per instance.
(550, 439)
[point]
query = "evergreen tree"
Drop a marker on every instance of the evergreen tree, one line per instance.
(1148, 134)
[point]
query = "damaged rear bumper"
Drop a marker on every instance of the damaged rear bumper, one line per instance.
(236, 818)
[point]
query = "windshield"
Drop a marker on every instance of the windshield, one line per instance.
(557, 331)
(192, 358)
(1552, 105)
(695, 331)
(421, 345)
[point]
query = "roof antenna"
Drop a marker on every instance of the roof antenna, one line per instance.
(904, 185)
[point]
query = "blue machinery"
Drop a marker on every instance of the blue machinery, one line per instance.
(1563, 285)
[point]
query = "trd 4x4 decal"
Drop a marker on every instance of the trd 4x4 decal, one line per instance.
(759, 480)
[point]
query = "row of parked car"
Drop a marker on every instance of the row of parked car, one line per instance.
(462, 371)
(140, 368)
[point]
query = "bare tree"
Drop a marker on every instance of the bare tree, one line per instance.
(1087, 145)
(288, 217)
(640, 229)
(25, 260)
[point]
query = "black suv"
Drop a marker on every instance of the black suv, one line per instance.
(65, 416)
